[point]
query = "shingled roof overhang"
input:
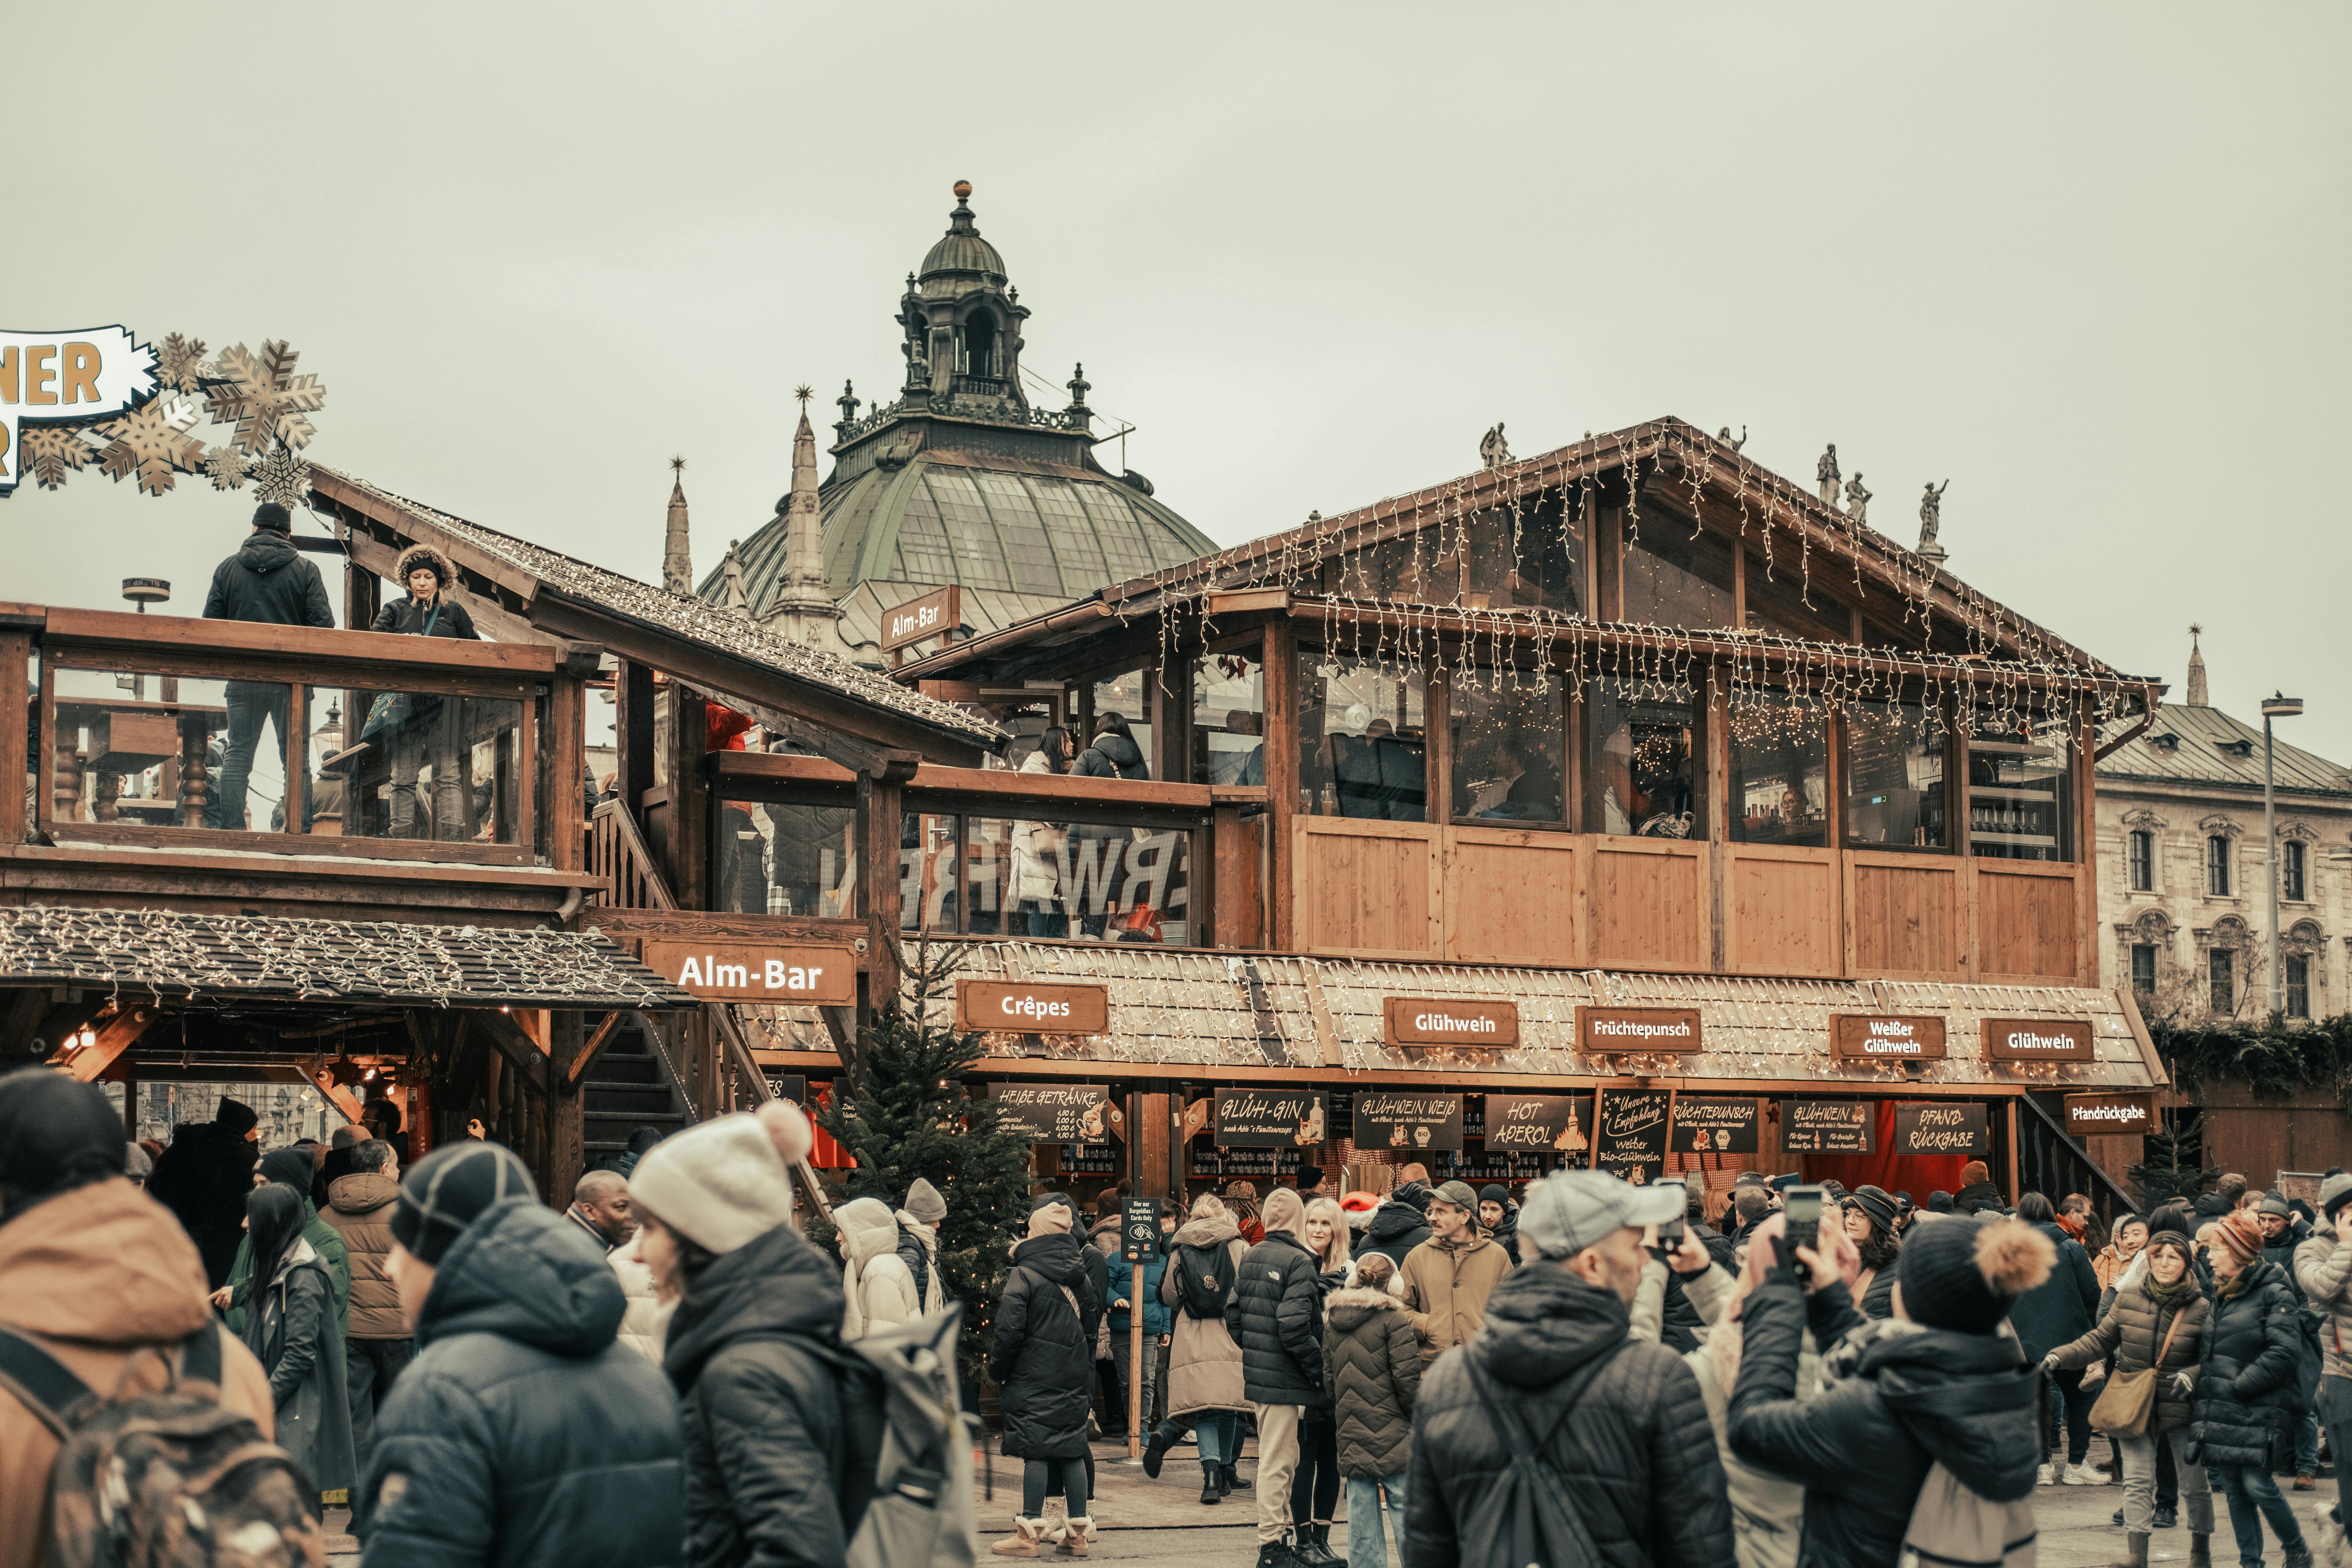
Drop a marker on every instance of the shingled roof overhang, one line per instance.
(220, 960)
(559, 596)
(1720, 471)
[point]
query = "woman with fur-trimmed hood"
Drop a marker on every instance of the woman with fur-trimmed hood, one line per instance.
(422, 729)
(428, 576)
(1371, 1364)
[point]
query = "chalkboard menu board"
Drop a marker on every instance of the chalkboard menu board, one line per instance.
(1827, 1127)
(1629, 1138)
(1054, 1113)
(1552, 1123)
(1942, 1127)
(1274, 1117)
(1400, 1119)
(1705, 1126)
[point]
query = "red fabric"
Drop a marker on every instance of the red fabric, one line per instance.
(723, 728)
(825, 1153)
(1917, 1175)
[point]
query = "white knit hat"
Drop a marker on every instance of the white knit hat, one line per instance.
(719, 1185)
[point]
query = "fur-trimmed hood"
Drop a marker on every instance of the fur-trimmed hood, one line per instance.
(1347, 1311)
(425, 555)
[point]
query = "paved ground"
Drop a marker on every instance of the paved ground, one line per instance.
(1143, 1520)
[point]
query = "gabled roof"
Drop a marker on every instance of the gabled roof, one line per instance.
(170, 954)
(542, 583)
(2206, 747)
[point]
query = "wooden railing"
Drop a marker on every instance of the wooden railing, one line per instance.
(617, 853)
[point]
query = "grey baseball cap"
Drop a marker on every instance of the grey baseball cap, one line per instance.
(1569, 1211)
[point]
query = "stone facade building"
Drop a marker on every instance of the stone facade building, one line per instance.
(2182, 865)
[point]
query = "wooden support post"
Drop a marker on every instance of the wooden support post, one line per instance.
(632, 735)
(115, 1037)
(567, 1156)
(15, 675)
(692, 815)
(2008, 1115)
(880, 808)
(1281, 740)
(567, 844)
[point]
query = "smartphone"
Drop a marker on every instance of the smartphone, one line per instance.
(1670, 1235)
(1804, 1213)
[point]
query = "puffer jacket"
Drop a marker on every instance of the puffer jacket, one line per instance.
(1505, 1234)
(1446, 1286)
(270, 581)
(1396, 1228)
(2247, 1388)
(1043, 1358)
(1371, 1364)
(2062, 1308)
(1110, 756)
(1122, 1288)
(524, 1436)
(359, 1208)
(770, 1475)
(1635, 1452)
(1204, 1365)
(1863, 1447)
(405, 616)
(2323, 1267)
(1275, 1315)
(1978, 1197)
(2132, 1331)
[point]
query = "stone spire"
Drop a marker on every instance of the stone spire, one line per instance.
(677, 559)
(2199, 696)
(804, 610)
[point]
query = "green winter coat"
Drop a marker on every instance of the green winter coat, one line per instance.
(326, 1241)
(1372, 1365)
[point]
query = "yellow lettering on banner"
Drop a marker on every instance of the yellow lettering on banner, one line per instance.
(37, 374)
(3, 451)
(79, 374)
(8, 374)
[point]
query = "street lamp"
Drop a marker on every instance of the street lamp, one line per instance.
(2275, 706)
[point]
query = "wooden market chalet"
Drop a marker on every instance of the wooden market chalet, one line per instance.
(1628, 804)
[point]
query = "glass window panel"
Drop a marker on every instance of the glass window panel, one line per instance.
(1229, 718)
(778, 859)
(154, 751)
(2220, 973)
(2217, 866)
(1510, 746)
(430, 767)
(923, 552)
(1362, 739)
(927, 873)
(980, 560)
(1533, 564)
(1895, 777)
(1051, 880)
(1776, 604)
(2143, 960)
(1673, 579)
(1127, 555)
(2297, 970)
(2291, 861)
(1021, 532)
(2020, 790)
(1779, 778)
(1640, 775)
(1130, 697)
(2143, 861)
(1071, 535)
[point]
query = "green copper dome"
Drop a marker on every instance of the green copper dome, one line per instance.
(961, 249)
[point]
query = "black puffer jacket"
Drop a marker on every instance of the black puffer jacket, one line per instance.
(2062, 1308)
(1863, 1447)
(406, 618)
(779, 1467)
(1637, 1453)
(524, 1435)
(268, 581)
(1274, 1312)
(2247, 1389)
(1398, 1227)
(1111, 757)
(1978, 1197)
(1043, 1354)
(1505, 1234)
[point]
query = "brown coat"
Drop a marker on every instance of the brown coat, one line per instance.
(360, 1208)
(2131, 1332)
(97, 1275)
(1446, 1289)
(1205, 1365)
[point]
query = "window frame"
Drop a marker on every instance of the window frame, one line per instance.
(2295, 976)
(2295, 871)
(2148, 949)
(2218, 873)
(2222, 981)
(2140, 859)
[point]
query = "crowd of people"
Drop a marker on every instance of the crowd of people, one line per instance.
(1591, 1373)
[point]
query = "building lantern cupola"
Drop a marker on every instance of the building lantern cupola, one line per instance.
(963, 324)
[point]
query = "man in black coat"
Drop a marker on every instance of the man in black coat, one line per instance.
(204, 1177)
(1399, 1224)
(1274, 1313)
(524, 1435)
(268, 581)
(1619, 1423)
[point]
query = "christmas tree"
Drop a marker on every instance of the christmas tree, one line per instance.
(2173, 1162)
(907, 1106)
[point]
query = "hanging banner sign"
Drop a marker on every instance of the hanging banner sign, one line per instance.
(1630, 1136)
(2039, 1040)
(1714, 1126)
(1827, 1127)
(2107, 1115)
(1407, 1121)
(1878, 1034)
(1942, 1127)
(1039, 1009)
(936, 614)
(1537, 1121)
(1054, 1113)
(1622, 1031)
(818, 976)
(1272, 1118)
(72, 378)
(790, 1087)
(1422, 1021)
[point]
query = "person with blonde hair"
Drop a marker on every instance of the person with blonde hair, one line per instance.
(1205, 1365)
(1315, 1489)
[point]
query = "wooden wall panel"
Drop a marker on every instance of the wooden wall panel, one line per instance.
(1650, 905)
(1907, 918)
(1365, 886)
(2026, 925)
(1781, 912)
(1513, 897)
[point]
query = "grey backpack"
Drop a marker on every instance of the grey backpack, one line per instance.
(1952, 1527)
(922, 1515)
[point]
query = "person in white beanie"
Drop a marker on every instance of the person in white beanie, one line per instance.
(918, 1245)
(780, 1467)
(875, 1284)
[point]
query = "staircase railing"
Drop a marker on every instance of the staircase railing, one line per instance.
(617, 852)
(2051, 1162)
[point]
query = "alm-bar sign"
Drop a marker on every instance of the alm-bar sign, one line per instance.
(918, 620)
(812, 976)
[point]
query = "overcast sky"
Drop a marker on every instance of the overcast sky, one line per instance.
(2088, 262)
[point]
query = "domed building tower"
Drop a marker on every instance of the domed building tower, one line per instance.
(961, 479)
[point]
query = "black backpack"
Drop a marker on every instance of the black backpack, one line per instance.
(1204, 1279)
(1530, 1521)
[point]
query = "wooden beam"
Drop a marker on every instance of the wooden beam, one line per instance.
(592, 1047)
(310, 646)
(15, 696)
(568, 1057)
(117, 1035)
(504, 1031)
(338, 1095)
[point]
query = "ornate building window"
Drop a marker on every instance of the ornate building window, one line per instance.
(2141, 846)
(2297, 970)
(2217, 866)
(2221, 976)
(2143, 972)
(2294, 856)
